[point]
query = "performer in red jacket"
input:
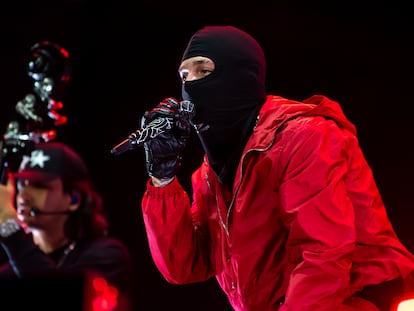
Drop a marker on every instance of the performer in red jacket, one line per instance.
(285, 211)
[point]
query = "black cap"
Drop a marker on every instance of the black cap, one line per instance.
(50, 160)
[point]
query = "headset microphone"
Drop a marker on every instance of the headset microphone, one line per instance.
(35, 211)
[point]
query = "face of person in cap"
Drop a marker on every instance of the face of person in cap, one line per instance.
(45, 197)
(43, 204)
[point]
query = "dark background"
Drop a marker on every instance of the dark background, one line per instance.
(125, 57)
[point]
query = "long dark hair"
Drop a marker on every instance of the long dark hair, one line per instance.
(88, 221)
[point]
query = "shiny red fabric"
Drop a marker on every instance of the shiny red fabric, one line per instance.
(304, 221)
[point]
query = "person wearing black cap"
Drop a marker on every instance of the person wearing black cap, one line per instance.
(53, 222)
(285, 211)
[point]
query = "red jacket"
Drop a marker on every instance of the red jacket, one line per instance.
(305, 219)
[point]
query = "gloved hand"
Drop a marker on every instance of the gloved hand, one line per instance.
(164, 152)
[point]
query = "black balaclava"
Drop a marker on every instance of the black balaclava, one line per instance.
(229, 99)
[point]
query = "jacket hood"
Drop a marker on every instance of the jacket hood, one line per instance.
(331, 109)
(278, 110)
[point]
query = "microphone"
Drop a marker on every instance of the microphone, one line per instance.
(139, 137)
(153, 129)
(35, 211)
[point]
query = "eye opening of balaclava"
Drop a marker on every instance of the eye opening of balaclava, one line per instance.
(229, 99)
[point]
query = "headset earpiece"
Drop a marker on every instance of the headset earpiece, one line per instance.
(74, 199)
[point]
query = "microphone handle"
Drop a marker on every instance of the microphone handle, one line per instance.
(122, 147)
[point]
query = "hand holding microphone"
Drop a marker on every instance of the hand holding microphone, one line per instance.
(164, 132)
(163, 153)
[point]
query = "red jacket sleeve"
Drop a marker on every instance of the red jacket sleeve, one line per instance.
(178, 246)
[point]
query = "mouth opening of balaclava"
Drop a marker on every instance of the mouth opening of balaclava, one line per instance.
(229, 99)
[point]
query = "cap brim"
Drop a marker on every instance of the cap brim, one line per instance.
(34, 176)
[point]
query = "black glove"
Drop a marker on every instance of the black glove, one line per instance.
(163, 153)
